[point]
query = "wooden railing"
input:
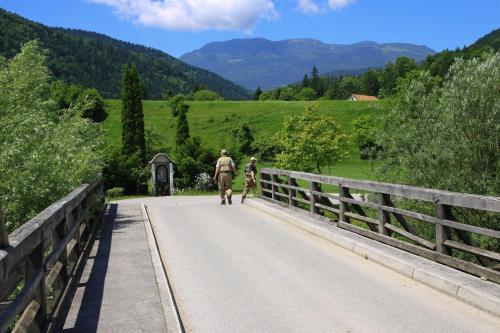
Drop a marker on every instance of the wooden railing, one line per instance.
(432, 232)
(39, 269)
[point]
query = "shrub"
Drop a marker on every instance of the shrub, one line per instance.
(204, 182)
(206, 95)
(306, 94)
(115, 192)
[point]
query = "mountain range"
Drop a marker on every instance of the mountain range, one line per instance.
(268, 64)
(96, 60)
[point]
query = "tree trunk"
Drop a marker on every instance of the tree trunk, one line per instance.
(4, 236)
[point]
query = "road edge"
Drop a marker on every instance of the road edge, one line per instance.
(173, 323)
(483, 295)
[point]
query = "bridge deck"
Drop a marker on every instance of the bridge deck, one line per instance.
(236, 269)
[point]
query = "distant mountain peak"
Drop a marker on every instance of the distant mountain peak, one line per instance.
(261, 62)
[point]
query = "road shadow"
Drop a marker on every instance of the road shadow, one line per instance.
(87, 319)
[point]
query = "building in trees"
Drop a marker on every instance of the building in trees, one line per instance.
(357, 97)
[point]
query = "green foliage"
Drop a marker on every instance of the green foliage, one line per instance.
(306, 94)
(245, 139)
(370, 84)
(257, 93)
(94, 60)
(266, 96)
(366, 133)
(311, 142)
(193, 159)
(208, 121)
(206, 95)
(115, 192)
(93, 105)
(43, 154)
(133, 139)
(267, 148)
(366, 130)
(286, 94)
(306, 83)
(447, 137)
(175, 103)
(182, 134)
(90, 101)
(126, 171)
(316, 82)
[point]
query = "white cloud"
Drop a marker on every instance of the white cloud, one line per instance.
(194, 14)
(315, 6)
(337, 4)
(308, 6)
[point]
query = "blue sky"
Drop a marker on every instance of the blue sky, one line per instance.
(179, 26)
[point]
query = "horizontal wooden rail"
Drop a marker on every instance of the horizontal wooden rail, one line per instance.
(486, 203)
(40, 253)
(451, 237)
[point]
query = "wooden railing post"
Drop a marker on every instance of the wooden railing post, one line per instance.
(384, 217)
(273, 187)
(4, 236)
(34, 263)
(343, 193)
(442, 232)
(291, 193)
(262, 185)
(313, 186)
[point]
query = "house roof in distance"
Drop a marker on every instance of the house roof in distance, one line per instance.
(358, 97)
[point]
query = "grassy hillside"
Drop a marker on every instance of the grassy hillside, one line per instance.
(214, 121)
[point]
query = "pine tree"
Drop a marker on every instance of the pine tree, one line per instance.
(316, 83)
(182, 134)
(257, 94)
(305, 81)
(133, 140)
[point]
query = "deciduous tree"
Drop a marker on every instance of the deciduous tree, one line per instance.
(43, 154)
(311, 142)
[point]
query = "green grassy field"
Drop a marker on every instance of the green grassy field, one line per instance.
(213, 122)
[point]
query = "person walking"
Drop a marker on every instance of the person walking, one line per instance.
(224, 170)
(250, 173)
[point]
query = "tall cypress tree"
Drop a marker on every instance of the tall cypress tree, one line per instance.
(182, 134)
(133, 140)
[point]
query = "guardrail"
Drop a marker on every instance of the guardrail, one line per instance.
(40, 267)
(433, 232)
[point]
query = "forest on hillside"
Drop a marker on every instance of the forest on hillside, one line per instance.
(95, 60)
(382, 82)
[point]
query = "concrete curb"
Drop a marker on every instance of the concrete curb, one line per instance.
(171, 316)
(483, 295)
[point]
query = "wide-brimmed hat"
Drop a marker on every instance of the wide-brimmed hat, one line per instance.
(223, 152)
(253, 159)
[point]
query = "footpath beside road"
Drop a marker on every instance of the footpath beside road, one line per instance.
(118, 291)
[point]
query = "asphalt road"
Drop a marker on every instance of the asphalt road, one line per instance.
(236, 269)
